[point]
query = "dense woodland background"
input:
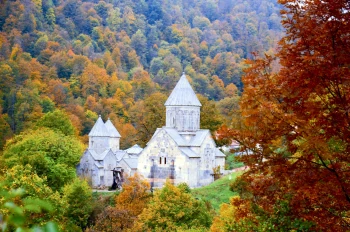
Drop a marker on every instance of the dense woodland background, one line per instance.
(64, 62)
(122, 58)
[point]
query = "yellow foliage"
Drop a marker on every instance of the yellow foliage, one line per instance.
(229, 215)
(135, 195)
(172, 209)
(16, 50)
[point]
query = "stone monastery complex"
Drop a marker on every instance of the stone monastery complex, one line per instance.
(179, 151)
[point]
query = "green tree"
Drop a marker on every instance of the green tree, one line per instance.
(148, 115)
(41, 44)
(50, 16)
(5, 131)
(51, 154)
(210, 115)
(78, 196)
(229, 109)
(27, 201)
(139, 43)
(173, 209)
(58, 121)
(114, 19)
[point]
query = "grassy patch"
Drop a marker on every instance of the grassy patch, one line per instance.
(217, 192)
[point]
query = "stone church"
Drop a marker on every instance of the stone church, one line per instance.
(179, 151)
(103, 155)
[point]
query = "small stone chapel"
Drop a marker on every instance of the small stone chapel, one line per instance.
(103, 156)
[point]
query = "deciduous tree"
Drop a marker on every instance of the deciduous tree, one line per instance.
(51, 154)
(172, 209)
(45, 204)
(78, 197)
(297, 120)
(129, 204)
(58, 121)
(148, 115)
(210, 116)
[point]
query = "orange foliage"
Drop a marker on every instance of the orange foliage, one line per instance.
(230, 214)
(94, 81)
(231, 90)
(135, 195)
(129, 204)
(57, 91)
(297, 120)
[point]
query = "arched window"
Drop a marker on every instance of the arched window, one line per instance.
(160, 160)
(197, 121)
(194, 121)
(191, 127)
(164, 160)
(184, 124)
(180, 120)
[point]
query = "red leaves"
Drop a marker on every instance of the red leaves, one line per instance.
(299, 117)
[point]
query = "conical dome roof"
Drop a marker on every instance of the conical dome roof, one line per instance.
(183, 94)
(113, 132)
(99, 129)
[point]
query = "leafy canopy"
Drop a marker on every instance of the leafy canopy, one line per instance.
(172, 209)
(26, 201)
(128, 205)
(296, 119)
(78, 197)
(51, 154)
(58, 121)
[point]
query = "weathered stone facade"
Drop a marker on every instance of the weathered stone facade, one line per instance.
(181, 151)
(103, 155)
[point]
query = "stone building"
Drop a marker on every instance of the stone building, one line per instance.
(103, 155)
(181, 151)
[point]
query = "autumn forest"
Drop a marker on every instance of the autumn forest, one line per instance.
(273, 76)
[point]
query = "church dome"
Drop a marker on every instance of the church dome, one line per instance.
(99, 129)
(113, 132)
(183, 94)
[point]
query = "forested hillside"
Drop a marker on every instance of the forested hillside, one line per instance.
(121, 58)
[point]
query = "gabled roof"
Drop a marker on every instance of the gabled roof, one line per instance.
(99, 129)
(113, 132)
(189, 152)
(98, 164)
(136, 149)
(120, 154)
(183, 94)
(174, 134)
(196, 141)
(97, 156)
(218, 153)
(131, 162)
